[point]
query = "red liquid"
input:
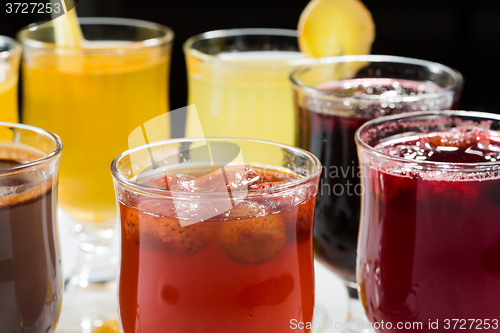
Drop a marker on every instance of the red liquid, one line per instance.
(327, 130)
(430, 246)
(247, 270)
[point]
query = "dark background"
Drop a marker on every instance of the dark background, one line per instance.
(462, 34)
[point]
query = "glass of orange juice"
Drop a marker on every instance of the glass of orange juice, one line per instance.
(10, 53)
(93, 95)
(238, 81)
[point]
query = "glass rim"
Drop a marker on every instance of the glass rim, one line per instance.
(47, 157)
(277, 32)
(378, 58)
(13, 52)
(120, 178)
(427, 165)
(168, 35)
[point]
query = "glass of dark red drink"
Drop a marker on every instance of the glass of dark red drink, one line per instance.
(30, 264)
(429, 245)
(332, 100)
(216, 236)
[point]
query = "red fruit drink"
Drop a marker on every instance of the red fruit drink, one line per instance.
(327, 130)
(247, 269)
(429, 248)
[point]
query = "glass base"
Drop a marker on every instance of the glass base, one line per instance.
(357, 321)
(90, 287)
(84, 309)
(321, 319)
(330, 310)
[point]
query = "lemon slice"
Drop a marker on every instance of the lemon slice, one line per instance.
(109, 326)
(335, 27)
(66, 27)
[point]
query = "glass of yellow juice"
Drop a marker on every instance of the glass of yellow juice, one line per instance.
(238, 82)
(93, 96)
(10, 53)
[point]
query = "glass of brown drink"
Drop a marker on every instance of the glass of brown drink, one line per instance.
(30, 265)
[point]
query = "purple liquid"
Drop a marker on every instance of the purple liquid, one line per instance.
(327, 128)
(430, 243)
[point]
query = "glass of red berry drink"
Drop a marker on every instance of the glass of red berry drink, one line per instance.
(429, 245)
(332, 100)
(216, 236)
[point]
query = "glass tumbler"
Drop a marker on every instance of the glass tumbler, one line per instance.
(238, 81)
(218, 230)
(429, 242)
(332, 99)
(30, 264)
(93, 95)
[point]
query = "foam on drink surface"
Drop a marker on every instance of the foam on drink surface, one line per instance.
(97, 44)
(453, 149)
(448, 147)
(22, 187)
(264, 57)
(368, 98)
(382, 87)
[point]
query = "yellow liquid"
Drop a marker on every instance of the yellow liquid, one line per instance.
(93, 102)
(8, 100)
(249, 95)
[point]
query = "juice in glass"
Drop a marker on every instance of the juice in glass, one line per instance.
(332, 100)
(429, 240)
(30, 264)
(238, 81)
(10, 53)
(245, 269)
(340, 211)
(93, 97)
